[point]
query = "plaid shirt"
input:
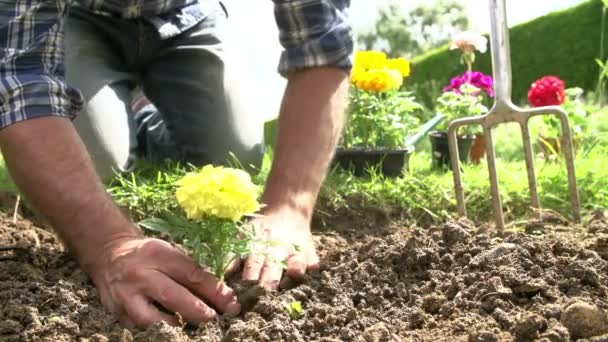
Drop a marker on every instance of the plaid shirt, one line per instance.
(32, 82)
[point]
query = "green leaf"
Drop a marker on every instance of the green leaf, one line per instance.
(178, 221)
(294, 309)
(156, 224)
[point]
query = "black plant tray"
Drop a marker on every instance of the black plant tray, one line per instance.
(389, 162)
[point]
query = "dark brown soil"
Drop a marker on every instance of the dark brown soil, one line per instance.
(379, 282)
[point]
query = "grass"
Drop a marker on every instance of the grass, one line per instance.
(423, 195)
(148, 191)
(428, 197)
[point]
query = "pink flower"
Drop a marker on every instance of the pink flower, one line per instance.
(474, 78)
(468, 42)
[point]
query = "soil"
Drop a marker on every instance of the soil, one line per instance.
(380, 281)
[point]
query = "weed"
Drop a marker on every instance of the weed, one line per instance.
(294, 309)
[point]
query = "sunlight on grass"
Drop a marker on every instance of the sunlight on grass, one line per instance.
(423, 195)
(429, 196)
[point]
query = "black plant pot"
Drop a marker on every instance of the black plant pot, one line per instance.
(390, 162)
(441, 151)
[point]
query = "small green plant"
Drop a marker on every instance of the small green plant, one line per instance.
(380, 119)
(294, 309)
(454, 105)
(214, 202)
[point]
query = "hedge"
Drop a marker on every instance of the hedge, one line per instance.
(564, 43)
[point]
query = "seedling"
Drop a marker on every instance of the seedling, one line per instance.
(294, 309)
(213, 203)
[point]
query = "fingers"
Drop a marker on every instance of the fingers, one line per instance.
(271, 275)
(126, 322)
(217, 293)
(296, 265)
(176, 298)
(234, 266)
(253, 267)
(313, 261)
(270, 271)
(202, 283)
(142, 313)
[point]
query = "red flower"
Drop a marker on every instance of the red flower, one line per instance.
(547, 91)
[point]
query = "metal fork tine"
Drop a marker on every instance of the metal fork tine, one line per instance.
(529, 154)
(494, 185)
(455, 158)
(569, 154)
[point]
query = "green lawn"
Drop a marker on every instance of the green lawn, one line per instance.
(422, 195)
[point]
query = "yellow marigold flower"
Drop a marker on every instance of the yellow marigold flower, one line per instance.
(217, 191)
(370, 59)
(380, 80)
(400, 64)
(358, 73)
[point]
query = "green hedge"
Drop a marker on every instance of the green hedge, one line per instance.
(563, 43)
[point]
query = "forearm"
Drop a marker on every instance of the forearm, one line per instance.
(310, 123)
(51, 167)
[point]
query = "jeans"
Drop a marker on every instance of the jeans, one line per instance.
(202, 112)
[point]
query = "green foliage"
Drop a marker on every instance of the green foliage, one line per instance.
(563, 43)
(294, 309)
(6, 181)
(213, 242)
(149, 191)
(459, 105)
(578, 115)
(602, 82)
(271, 129)
(380, 119)
(424, 27)
(149, 196)
(427, 93)
(427, 197)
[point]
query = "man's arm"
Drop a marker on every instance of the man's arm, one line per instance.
(310, 124)
(51, 167)
(317, 58)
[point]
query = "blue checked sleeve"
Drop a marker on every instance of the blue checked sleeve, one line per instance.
(314, 33)
(32, 81)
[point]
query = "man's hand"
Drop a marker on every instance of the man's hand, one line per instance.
(310, 123)
(136, 274)
(289, 232)
(49, 163)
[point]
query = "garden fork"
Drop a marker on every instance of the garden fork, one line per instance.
(504, 111)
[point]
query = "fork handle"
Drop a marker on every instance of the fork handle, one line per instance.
(501, 54)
